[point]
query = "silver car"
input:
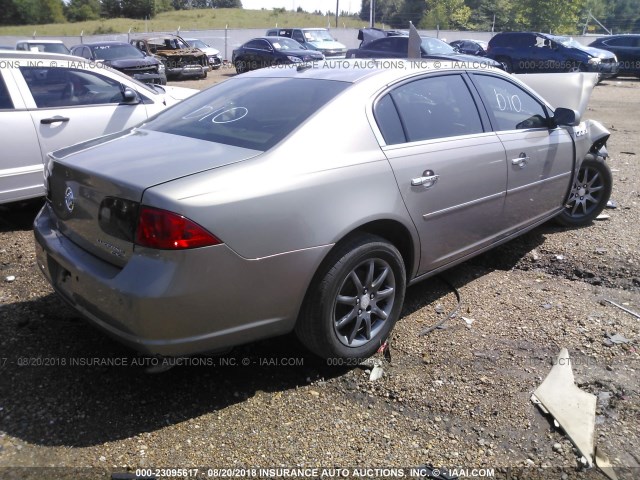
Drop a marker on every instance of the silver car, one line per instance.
(307, 199)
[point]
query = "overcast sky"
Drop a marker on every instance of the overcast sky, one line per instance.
(352, 6)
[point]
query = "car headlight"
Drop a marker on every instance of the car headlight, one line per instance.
(161, 68)
(293, 59)
(595, 61)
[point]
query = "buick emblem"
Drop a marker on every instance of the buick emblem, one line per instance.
(69, 199)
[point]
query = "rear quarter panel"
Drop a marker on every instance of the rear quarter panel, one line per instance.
(320, 183)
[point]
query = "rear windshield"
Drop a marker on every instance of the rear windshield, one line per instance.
(254, 113)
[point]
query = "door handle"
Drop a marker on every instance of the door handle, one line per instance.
(56, 119)
(521, 161)
(427, 180)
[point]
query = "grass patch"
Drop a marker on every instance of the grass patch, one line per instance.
(202, 19)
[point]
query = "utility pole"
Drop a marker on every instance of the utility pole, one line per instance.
(337, 11)
(372, 13)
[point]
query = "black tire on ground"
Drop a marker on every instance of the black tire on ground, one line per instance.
(589, 195)
(354, 300)
(241, 66)
(506, 61)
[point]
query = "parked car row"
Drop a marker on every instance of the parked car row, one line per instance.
(395, 44)
(147, 58)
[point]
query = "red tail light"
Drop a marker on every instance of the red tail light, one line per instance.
(166, 230)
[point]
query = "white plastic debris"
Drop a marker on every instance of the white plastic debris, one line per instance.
(9, 278)
(572, 409)
(376, 373)
(468, 321)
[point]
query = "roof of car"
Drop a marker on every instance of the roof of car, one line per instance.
(355, 70)
(31, 40)
(17, 54)
(100, 44)
(145, 36)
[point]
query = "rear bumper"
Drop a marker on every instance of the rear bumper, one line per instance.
(178, 303)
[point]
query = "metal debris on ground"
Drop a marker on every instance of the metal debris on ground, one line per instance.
(452, 314)
(574, 410)
(9, 278)
(603, 216)
(618, 339)
(612, 204)
(631, 312)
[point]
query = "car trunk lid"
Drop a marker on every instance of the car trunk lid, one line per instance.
(96, 193)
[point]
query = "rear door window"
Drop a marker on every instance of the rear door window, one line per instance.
(429, 108)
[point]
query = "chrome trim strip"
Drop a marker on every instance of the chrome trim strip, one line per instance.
(429, 216)
(535, 184)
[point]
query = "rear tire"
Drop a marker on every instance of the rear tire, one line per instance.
(589, 194)
(355, 299)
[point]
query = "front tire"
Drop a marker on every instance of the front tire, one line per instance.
(355, 299)
(241, 66)
(589, 194)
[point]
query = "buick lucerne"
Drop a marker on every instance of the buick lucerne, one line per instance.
(226, 219)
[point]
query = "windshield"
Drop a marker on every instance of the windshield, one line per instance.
(434, 46)
(283, 43)
(48, 47)
(114, 52)
(254, 113)
(167, 43)
(318, 36)
(568, 42)
(198, 44)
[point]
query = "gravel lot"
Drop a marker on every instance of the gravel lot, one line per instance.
(457, 397)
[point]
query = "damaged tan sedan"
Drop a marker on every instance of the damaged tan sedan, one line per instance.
(307, 199)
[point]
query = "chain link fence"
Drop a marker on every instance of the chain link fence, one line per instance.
(225, 40)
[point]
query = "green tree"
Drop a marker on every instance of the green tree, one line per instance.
(138, 8)
(23, 12)
(81, 10)
(556, 16)
(111, 8)
(447, 15)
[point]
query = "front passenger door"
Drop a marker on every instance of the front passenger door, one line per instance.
(70, 105)
(450, 172)
(540, 159)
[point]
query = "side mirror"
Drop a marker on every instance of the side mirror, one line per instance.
(129, 96)
(566, 116)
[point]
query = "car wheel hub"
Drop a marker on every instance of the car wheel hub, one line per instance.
(364, 302)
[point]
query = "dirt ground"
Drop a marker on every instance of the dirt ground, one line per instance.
(458, 397)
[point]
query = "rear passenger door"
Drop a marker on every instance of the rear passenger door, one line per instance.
(451, 172)
(540, 159)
